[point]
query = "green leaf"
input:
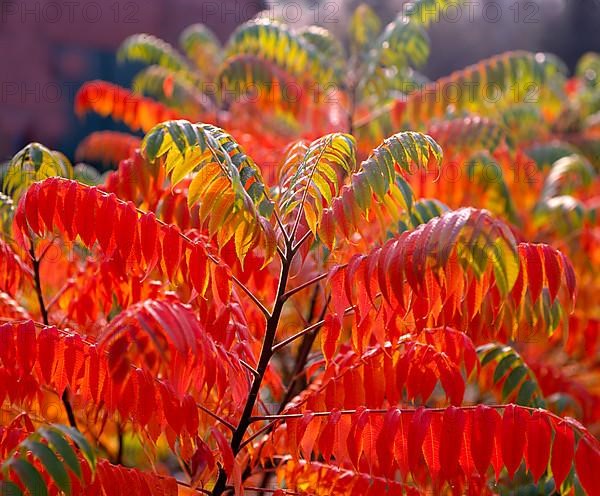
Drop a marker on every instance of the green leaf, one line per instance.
(545, 154)
(437, 100)
(33, 163)
(202, 46)
(503, 366)
(153, 143)
(81, 442)
(588, 69)
(314, 169)
(402, 45)
(526, 392)
(172, 89)
(63, 448)
(568, 174)
(225, 181)
(325, 42)
(9, 489)
(29, 476)
(151, 50)
(86, 174)
(483, 169)
(491, 355)
(513, 379)
(529, 393)
(562, 402)
(365, 26)
(51, 463)
(379, 181)
(262, 51)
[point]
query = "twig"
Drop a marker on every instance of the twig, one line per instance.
(299, 364)
(293, 338)
(189, 486)
(281, 226)
(305, 193)
(35, 262)
(308, 329)
(382, 411)
(263, 362)
(258, 433)
(299, 243)
(120, 450)
(304, 285)
(37, 282)
(268, 490)
(249, 293)
(227, 424)
(252, 370)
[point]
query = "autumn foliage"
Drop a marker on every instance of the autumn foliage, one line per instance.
(366, 291)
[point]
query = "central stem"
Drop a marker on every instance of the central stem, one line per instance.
(263, 362)
(35, 262)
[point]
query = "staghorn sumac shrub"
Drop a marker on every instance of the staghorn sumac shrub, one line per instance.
(261, 303)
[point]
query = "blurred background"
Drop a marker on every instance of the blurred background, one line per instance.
(48, 48)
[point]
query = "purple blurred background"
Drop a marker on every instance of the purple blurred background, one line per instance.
(50, 47)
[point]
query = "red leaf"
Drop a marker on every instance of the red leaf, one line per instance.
(431, 447)
(26, 346)
(222, 283)
(49, 202)
(191, 414)
(552, 269)
(127, 397)
(327, 228)
(416, 436)
(47, 345)
(309, 426)
(171, 247)
(172, 407)
(201, 459)
(31, 208)
(514, 425)
(483, 433)
(336, 282)
(146, 396)
(69, 206)
(451, 380)
(451, 442)
(587, 464)
(86, 217)
(385, 448)
(73, 357)
(539, 437)
(225, 449)
(94, 376)
(569, 276)
(125, 233)
(149, 237)
(7, 345)
(104, 230)
(328, 434)
(197, 269)
(330, 336)
(563, 448)
(518, 289)
(535, 272)
(401, 443)
(466, 458)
